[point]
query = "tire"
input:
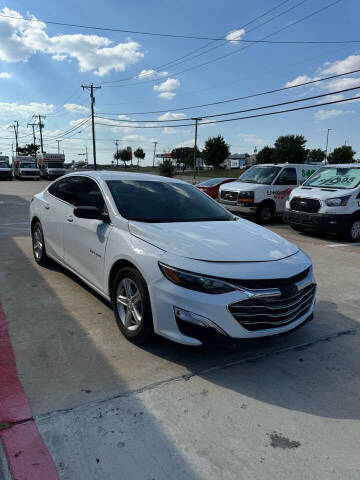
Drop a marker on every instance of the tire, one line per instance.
(38, 243)
(353, 231)
(265, 213)
(297, 228)
(135, 324)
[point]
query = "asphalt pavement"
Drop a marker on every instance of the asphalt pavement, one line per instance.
(282, 407)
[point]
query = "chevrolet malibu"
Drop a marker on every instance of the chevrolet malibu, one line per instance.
(171, 260)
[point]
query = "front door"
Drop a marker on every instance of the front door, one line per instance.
(85, 239)
(285, 182)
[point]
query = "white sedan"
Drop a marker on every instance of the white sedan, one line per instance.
(170, 259)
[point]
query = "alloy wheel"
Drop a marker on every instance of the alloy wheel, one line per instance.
(129, 304)
(38, 244)
(355, 230)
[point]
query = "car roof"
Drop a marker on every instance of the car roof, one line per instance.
(111, 175)
(302, 165)
(342, 165)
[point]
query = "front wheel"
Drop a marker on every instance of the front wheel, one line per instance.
(131, 305)
(265, 213)
(38, 243)
(353, 232)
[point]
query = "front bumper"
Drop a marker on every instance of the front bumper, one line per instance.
(166, 295)
(318, 221)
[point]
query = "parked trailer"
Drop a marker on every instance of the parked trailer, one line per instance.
(5, 169)
(24, 167)
(51, 165)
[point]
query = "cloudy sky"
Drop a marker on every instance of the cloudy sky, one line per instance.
(42, 68)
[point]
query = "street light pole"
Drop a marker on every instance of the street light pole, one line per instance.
(155, 143)
(58, 143)
(327, 144)
(195, 143)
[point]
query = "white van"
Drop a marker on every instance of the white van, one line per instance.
(329, 201)
(262, 190)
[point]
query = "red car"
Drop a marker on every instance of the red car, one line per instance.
(211, 186)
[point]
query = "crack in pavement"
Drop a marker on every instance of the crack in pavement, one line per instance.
(188, 376)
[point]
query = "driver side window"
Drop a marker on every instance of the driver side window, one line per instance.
(89, 195)
(287, 177)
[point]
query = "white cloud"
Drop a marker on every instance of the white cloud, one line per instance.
(166, 88)
(352, 62)
(136, 138)
(24, 110)
(167, 95)
(123, 117)
(332, 98)
(299, 80)
(172, 130)
(74, 123)
(151, 74)
(5, 75)
(75, 108)
(251, 138)
(172, 116)
(19, 40)
(342, 83)
(326, 114)
(235, 35)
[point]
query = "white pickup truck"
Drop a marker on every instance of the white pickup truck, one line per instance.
(262, 190)
(329, 201)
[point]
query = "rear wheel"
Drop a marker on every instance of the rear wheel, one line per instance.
(265, 213)
(131, 304)
(38, 243)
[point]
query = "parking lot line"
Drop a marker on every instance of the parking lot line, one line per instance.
(26, 453)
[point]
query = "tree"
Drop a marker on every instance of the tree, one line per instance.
(265, 155)
(29, 149)
(216, 150)
(290, 149)
(139, 154)
(125, 155)
(185, 156)
(316, 155)
(167, 168)
(343, 154)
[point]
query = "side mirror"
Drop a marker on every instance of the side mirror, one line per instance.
(92, 213)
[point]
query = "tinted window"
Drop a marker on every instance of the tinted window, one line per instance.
(89, 194)
(287, 177)
(150, 201)
(66, 189)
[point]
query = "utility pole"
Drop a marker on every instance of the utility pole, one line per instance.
(86, 155)
(33, 125)
(41, 126)
(155, 143)
(91, 88)
(327, 144)
(58, 143)
(117, 151)
(16, 131)
(195, 143)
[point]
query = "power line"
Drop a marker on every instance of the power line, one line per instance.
(318, 105)
(236, 98)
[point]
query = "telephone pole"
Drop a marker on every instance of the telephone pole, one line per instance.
(327, 144)
(117, 151)
(58, 142)
(33, 125)
(155, 143)
(41, 126)
(16, 131)
(91, 88)
(195, 143)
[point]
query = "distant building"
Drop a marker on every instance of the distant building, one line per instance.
(236, 160)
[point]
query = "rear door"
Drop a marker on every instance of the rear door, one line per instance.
(285, 182)
(58, 205)
(85, 239)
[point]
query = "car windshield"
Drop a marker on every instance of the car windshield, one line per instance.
(4, 165)
(55, 165)
(211, 182)
(27, 165)
(149, 201)
(262, 175)
(335, 177)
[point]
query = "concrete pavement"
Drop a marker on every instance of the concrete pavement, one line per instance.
(273, 408)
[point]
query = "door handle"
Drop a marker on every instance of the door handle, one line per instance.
(70, 218)
(47, 206)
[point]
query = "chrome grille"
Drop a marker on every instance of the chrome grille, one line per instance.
(229, 196)
(275, 310)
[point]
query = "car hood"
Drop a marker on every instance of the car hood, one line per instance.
(321, 193)
(241, 186)
(229, 241)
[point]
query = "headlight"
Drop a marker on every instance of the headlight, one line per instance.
(337, 202)
(195, 281)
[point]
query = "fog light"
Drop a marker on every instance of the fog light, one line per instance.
(196, 319)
